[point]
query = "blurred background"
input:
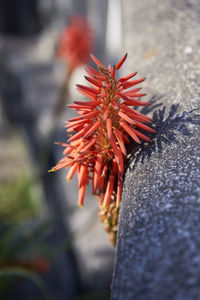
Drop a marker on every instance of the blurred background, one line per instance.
(49, 248)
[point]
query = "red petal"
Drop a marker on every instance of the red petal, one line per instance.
(91, 71)
(135, 95)
(92, 129)
(120, 141)
(134, 102)
(76, 123)
(130, 131)
(142, 136)
(94, 81)
(126, 118)
(127, 77)
(120, 63)
(117, 154)
(87, 89)
(89, 145)
(129, 84)
(82, 175)
(113, 73)
(97, 172)
(106, 113)
(79, 134)
(97, 62)
(145, 127)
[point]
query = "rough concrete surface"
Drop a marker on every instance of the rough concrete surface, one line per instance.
(158, 248)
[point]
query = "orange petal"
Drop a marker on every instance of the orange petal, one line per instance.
(71, 171)
(109, 128)
(109, 190)
(92, 129)
(120, 141)
(79, 134)
(81, 175)
(81, 195)
(119, 189)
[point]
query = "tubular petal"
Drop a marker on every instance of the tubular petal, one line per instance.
(145, 127)
(94, 81)
(97, 172)
(127, 77)
(71, 172)
(89, 144)
(105, 115)
(92, 129)
(120, 141)
(120, 63)
(87, 89)
(130, 131)
(97, 62)
(81, 195)
(82, 175)
(109, 191)
(126, 118)
(129, 84)
(109, 128)
(78, 134)
(115, 150)
(142, 136)
(134, 102)
(119, 189)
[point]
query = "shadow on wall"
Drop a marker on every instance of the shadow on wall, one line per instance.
(166, 126)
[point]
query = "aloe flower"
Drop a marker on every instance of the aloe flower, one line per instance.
(105, 123)
(76, 42)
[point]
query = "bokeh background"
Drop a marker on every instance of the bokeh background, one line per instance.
(49, 248)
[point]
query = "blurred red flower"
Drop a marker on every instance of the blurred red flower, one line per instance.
(76, 42)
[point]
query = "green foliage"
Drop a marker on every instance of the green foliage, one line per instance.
(19, 199)
(21, 272)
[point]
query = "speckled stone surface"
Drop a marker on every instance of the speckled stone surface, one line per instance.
(158, 247)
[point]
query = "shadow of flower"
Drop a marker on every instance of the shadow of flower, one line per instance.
(167, 125)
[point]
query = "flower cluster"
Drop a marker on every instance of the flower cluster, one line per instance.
(96, 148)
(76, 42)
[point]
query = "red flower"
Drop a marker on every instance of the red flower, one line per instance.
(76, 42)
(103, 127)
